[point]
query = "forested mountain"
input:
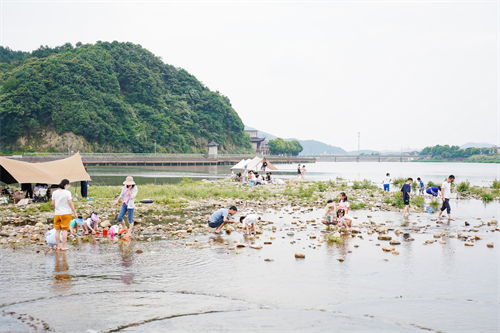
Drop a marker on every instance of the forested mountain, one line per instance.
(116, 97)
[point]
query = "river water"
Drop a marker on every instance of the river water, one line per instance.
(109, 287)
(480, 174)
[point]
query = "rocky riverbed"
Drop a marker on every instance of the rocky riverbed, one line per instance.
(158, 221)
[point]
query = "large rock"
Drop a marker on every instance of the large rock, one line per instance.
(105, 224)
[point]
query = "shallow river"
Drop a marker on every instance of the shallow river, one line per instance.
(480, 174)
(109, 287)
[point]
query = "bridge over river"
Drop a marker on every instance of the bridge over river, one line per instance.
(199, 159)
(369, 158)
(159, 159)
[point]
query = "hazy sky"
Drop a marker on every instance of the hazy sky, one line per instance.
(404, 74)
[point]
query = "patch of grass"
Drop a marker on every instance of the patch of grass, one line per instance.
(434, 204)
(399, 181)
(430, 183)
(463, 187)
(357, 206)
(496, 184)
(398, 200)
(487, 197)
(365, 184)
(322, 186)
(330, 239)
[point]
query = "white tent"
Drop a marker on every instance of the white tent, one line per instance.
(241, 164)
(254, 164)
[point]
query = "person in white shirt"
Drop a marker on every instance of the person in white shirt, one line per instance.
(343, 219)
(250, 220)
(343, 202)
(63, 205)
(386, 182)
(446, 194)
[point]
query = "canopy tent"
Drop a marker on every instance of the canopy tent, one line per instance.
(71, 168)
(254, 164)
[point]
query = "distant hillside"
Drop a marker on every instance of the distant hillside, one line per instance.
(311, 147)
(109, 97)
(476, 145)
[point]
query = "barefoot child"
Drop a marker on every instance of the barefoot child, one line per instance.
(250, 220)
(330, 214)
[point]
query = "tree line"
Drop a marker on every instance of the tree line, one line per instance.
(117, 96)
(447, 151)
(279, 146)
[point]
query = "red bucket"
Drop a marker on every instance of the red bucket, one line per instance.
(104, 233)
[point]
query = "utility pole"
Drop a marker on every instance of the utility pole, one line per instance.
(68, 144)
(155, 147)
(358, 143)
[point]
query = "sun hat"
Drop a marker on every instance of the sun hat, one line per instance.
(129, 181)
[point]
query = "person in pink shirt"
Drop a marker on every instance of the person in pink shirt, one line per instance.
(129, 191)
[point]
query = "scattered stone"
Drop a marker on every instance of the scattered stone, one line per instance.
(268, 259)
(268, 243)
(442, 242)
(241, 245)
(395, 242)
(256, 246)
(384, 238)
(388, 248)
(356, 245)
(395, 252)
(469, 244)
(138, 251)
(340, 259)
(490, 245)
(299, 255)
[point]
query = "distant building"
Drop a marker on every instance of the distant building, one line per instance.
(497, 149)
(259, 145)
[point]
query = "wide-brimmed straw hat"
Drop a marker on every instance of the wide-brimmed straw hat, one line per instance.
(129, 181)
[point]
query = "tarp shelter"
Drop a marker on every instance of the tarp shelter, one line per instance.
(71, 168)
(254, 164)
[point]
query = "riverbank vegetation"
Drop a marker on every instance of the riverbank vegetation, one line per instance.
(448, 153)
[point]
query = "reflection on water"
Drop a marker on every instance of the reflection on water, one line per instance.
(170, 287)
(127, 257)
(62, 279)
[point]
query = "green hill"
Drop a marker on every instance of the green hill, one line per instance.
(109, 97)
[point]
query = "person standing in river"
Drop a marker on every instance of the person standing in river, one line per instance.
(304, 172)
(129, 191)
(387, 182)
(299, 171)
(63, 205)
(446, 194)
(405, 192)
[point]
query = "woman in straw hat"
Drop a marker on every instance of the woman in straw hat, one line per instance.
(128, 194)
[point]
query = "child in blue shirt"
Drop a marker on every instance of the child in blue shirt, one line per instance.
(421, 190)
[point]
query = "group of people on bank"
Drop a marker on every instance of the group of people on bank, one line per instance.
(336, 214)
(62, 202)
